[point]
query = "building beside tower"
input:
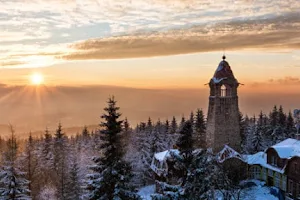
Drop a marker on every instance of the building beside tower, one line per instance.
(223, 127)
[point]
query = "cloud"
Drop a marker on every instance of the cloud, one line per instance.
(11, 63)
(29, 55)
(281, 32)
(286, 81)
(145, 28)
(278, 83)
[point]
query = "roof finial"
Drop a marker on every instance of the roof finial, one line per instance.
(223, 57)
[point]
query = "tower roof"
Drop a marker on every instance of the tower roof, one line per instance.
(223, 71)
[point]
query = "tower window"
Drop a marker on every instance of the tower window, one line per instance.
(223, 91)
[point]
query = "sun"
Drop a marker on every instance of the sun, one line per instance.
(36, 79)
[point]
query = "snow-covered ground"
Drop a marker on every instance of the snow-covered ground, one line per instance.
(146, 192)
(258, 192)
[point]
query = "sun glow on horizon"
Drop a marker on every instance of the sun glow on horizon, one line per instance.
(36, 78)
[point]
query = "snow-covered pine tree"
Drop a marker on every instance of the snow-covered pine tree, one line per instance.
(290, 128)
(45, 154)
(174, 126)
(192, 118)
(13, 184)
(200, 128)
(126, 125)
(111, 174)
(182, 121)
(182, 165)
(169, 139)
(29, 162)
(60, 161)
(138, 155)
(149, 123)
(203, 176)
(185, 141)
(275, 129)
(274, 117)
(247, 146)
(126, 134)
(85, 132)
(198, 183)
(73, 188)
(258, 139)
(281, 117)
(85, 136)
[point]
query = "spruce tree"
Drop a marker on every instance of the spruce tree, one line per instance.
(200, 128)
(258, 140)
(126, 125)
(60, 161)
(261, 119)
(13, 183)
(290, 126)
(182, 121)
(126, 133)
(84, 138)
(185, 144)
(192, 118)
(281, 117)
(85, 132)
(274, 117)
(174, 126)
(30, 162)
(149, 123)
(73, 189)
(111, 174)
(167, 126)
(45, 154)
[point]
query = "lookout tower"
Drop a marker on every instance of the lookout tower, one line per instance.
(223, 110)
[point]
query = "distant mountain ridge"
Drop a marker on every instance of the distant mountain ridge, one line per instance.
(21, 134)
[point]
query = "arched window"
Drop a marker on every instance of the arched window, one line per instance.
(223, 91)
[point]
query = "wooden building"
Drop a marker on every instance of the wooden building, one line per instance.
(279, 166)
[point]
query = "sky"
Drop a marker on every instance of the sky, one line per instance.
(150, 45)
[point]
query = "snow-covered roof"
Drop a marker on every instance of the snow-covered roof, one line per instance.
(223, 71)
(161, 167)
(161, 156)
(260, 158)
(228, 152)
(216, 80)
(287, 148)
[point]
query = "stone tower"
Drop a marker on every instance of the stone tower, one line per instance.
(223, 110)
